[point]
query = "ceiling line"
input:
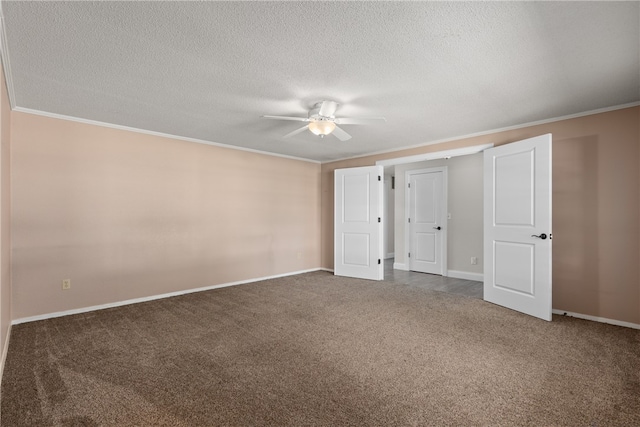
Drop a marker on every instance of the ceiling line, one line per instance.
(154, 133)
(489, 132)
(267, 153)
(4, 57)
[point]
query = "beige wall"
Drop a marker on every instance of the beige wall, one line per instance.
(465, 203)
(127, 215)
(596, 201)
(5, 215)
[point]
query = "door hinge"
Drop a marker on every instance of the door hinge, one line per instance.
(379, 220)
(379, 178)
(409, 254)
(409, 185)
(379, 261)
(409, 219)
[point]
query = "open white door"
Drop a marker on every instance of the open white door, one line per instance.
(358, 249)
(517, 226)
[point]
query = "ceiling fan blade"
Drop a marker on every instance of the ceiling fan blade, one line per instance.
(299, 119)
(360, 120)
(341, 134)
(297, 131)
(328, 108)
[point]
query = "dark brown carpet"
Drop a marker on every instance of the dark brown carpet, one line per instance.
(316, 349)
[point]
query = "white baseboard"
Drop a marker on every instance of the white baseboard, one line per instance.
(152, 297)
(4, 351)
(396, 266)
(596, 319)
(479, 277)
(390, 255)
(400, 266)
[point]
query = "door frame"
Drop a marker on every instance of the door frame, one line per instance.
(444, 213)
(435, 155)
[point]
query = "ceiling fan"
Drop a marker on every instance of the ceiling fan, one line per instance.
(322, 121)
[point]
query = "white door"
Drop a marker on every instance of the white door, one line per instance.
(517, 226)
(427, 227)
(358, 249)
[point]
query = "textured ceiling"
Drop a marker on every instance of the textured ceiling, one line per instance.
(209, 70)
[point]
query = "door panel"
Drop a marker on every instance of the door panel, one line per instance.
(517, 226)
(355, 248)
(358, 249)
(356, 193)
(515, 193)
(425, 247)
(513, 267)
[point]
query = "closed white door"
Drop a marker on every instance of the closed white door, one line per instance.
(426, 221)
(358, 240)
(517, 226)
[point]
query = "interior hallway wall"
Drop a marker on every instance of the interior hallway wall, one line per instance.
(596, 201)
(126, 215)
(389, 216)
(465, 202)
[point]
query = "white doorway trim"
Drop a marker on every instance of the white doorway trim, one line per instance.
(444, 154)
(443, 214)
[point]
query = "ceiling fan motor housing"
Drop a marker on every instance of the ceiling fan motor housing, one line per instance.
(314, 114)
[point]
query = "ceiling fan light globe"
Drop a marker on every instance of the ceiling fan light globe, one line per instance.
(321, 127)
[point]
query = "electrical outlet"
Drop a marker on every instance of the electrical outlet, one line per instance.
(474, 260)
(66, 284)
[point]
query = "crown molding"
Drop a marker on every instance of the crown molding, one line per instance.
(154, 133)
(498, 130)
(266, 153)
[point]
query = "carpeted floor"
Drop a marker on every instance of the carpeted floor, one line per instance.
(316, 349)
